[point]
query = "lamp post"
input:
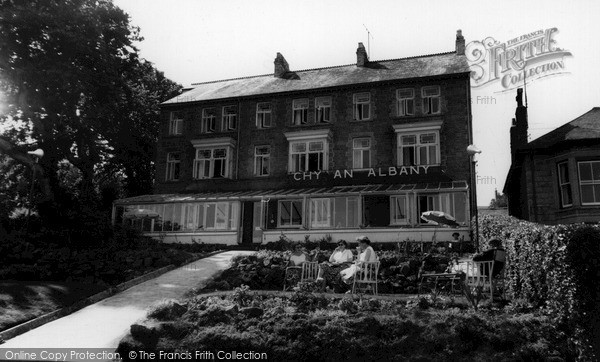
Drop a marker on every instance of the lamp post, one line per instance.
(473, 151)
(37, 154)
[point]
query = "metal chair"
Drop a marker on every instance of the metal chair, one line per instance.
(366, 275)
(287, 276)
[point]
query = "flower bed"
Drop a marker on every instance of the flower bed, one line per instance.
(306, 327)
(265, 270)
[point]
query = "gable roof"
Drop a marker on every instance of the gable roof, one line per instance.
(375, 71)
(584, 127)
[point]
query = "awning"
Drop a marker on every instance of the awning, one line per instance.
(294, 193)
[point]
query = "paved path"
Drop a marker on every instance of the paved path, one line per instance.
(103, 324)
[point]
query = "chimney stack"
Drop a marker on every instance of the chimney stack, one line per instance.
(520, 127)
(281, 66)
(362, 58)
(460, 43)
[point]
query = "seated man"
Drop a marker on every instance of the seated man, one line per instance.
(496, 253)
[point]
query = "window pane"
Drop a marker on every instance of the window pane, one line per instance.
(315, 161)
(168, 218)
(298, 147)
(200, 219)
(222, 213)
(177, 216)
(285, 213)
(210, 216)
(596, 170)
(356, 159)
(585, 171)
(352, 205)
(597, 193)
(339, 205)
(203, 154)
(408, 156)
(315, 146)
(587, 193)
(427, 138)
(296, 212)
(562, 173)
(158, 222)
(366, 158)
(409, 140)
(460, 207)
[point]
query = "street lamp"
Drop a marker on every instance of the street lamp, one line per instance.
(473, 151)
(37, 154)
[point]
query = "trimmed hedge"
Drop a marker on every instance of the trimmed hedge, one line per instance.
(556, 269)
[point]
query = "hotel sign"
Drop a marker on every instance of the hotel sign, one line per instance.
(391, 171)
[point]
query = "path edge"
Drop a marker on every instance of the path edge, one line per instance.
(52, 316)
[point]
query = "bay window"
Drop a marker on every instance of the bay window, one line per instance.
(213, 158)
(308, 150)
(589, 182)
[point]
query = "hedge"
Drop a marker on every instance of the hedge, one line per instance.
(555, 268)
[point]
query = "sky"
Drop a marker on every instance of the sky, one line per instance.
(199, 40)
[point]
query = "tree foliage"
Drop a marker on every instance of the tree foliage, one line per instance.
(71, 77)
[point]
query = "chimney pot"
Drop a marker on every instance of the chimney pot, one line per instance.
(362, 58)
(281, 66)
(460, 43)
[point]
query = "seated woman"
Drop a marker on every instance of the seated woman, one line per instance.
(294, 262)
(297, 257)
(339, 259)
(366, 254)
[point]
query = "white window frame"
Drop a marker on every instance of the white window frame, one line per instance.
(417, 147)
(432, 99)
(405, 102)
(323, 106)
(173, 164)
(591, 182)
(564, 184)
(199, 163)
(358, 151)
(361, 104)
(305, 155)
(209, 120)
(264, 115)
(300, 111)
(175, 123)
(394, 220)
(260, 159)
(320, 207)
(229, 118)
(290, 224)
(212, 144)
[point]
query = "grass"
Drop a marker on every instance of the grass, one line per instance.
(21, 301)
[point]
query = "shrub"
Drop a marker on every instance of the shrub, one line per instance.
(550, 268)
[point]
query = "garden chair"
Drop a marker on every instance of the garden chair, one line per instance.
(308, 271)
(481, 274)
(366, 276)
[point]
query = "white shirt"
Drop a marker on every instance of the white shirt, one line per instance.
(339, 256)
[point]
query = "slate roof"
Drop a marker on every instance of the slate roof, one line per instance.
(584, 127)
(344, 75)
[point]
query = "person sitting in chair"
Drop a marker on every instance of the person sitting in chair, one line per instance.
(298, 256)
(366, 253)
(495, 253)
(339, 259)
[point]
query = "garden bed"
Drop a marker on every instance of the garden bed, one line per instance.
(307, 326)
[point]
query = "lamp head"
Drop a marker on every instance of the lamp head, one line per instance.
(39, 153)
(472, 149)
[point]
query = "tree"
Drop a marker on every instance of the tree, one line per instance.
(70, 73)
(499, 201)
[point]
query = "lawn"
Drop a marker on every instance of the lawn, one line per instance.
(21, 301)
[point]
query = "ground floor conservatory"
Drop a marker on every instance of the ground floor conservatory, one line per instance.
(385, 213)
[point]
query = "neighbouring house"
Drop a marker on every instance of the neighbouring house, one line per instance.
(555, 179)
(341, 151)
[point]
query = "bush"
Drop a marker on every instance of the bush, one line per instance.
(301, 328)
(549, 268)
